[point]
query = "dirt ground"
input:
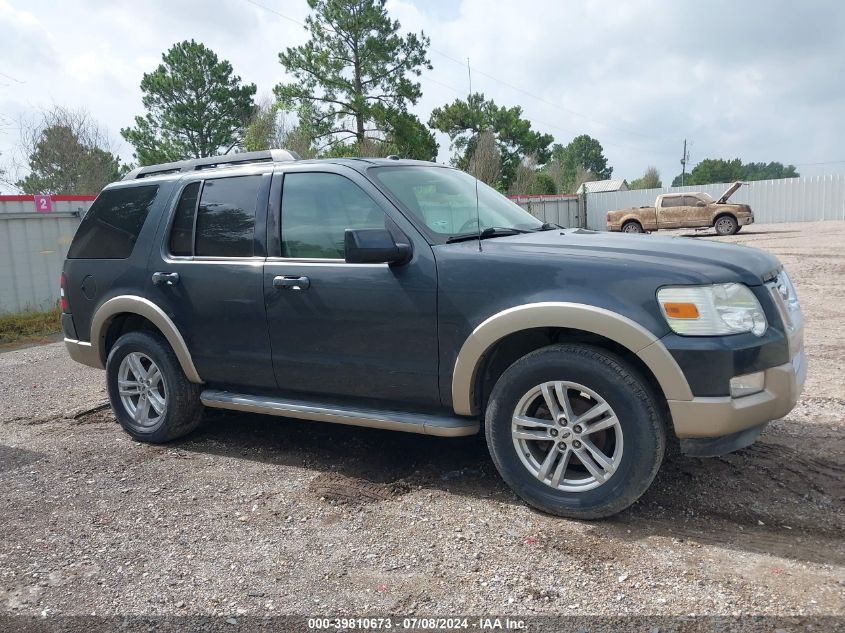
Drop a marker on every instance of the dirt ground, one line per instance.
(257, 515)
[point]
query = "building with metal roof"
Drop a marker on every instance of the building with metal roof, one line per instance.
(600, 186)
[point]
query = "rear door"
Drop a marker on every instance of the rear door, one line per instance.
(207, 275)
(348, 330)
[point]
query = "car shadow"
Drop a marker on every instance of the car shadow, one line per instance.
(769, 498)
(745, 231)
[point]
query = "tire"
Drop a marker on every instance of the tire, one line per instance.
(726, 225)
(632, 226)
(738, 229)
(633, 446)
(168, 389)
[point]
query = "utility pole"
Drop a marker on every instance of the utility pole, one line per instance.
(684, 160)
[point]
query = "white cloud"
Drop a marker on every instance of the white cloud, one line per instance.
(760, 82)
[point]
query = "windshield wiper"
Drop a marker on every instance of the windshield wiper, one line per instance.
(493, 231)
(548, 226)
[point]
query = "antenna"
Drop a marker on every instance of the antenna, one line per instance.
(469, 75)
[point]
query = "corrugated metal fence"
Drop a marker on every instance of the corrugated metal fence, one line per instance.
(33, 247)
(787, 200)
(565, 210)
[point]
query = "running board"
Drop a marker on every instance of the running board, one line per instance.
(427, 424)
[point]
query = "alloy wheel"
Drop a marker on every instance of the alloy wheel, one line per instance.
(567, 436)
(142, 389)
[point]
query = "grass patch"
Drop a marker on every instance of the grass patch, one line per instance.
(28, 325)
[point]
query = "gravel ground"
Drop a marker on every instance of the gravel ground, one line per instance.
(255, 515)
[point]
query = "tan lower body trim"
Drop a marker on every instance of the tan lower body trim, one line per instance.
(143, 307)
(83, 352)
(574, 316)
(714, 417)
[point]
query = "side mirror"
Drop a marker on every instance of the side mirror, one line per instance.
(374, 246)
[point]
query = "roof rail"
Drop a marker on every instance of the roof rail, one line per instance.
(195, 164)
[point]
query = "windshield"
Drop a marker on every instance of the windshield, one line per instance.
(443, 200)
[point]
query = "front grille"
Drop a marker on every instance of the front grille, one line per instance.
(786, 299)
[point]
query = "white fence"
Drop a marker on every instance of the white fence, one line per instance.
(32, 250)
(565, 210)
(806, 199)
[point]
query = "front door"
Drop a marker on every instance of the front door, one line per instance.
(348, 330)
(209, 277)
(694, 213)
(670, 213)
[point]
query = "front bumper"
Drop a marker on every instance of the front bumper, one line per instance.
(716, 417)
(743, 220)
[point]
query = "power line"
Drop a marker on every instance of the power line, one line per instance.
(826, 162)
(543, 99)
(508, 85)
(17, 81)
(281, 15)
(440, 83)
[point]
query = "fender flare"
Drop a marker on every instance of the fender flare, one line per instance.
(577, 316)
(132, 304)
(723, 212)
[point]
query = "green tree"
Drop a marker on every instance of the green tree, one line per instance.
(271, 127)
(544, 184)
(650, 180)
(769, 171)
(581, 155)
(67, 153)
(410, 138)
(712, 170)
(354, 76)
(464, 121)
(195, 105)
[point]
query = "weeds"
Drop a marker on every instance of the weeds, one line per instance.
(31, 324)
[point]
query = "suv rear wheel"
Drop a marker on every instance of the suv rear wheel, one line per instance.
(575, 431)
(150, 395)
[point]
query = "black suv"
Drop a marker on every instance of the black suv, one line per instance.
(405, 295)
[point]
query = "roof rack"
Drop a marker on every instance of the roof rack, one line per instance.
(195, 164)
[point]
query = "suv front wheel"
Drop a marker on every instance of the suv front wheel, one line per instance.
(149, 393)
(575, 431)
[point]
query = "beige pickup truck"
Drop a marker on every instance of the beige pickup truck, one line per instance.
(684, 211)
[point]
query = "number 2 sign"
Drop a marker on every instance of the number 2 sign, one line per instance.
(43, 204)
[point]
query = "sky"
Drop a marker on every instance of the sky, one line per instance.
(760, 80)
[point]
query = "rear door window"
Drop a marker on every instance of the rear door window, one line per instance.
(226, 217)
(182, 231)
(111, 227)
(221, 223)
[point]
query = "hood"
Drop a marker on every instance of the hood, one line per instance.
(679, 259)
(729, 192)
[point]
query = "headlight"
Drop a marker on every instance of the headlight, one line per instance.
(712, 310)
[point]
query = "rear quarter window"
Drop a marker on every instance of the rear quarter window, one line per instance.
(112, 225)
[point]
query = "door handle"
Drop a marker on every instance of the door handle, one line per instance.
(291, 283)
(168, 279)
